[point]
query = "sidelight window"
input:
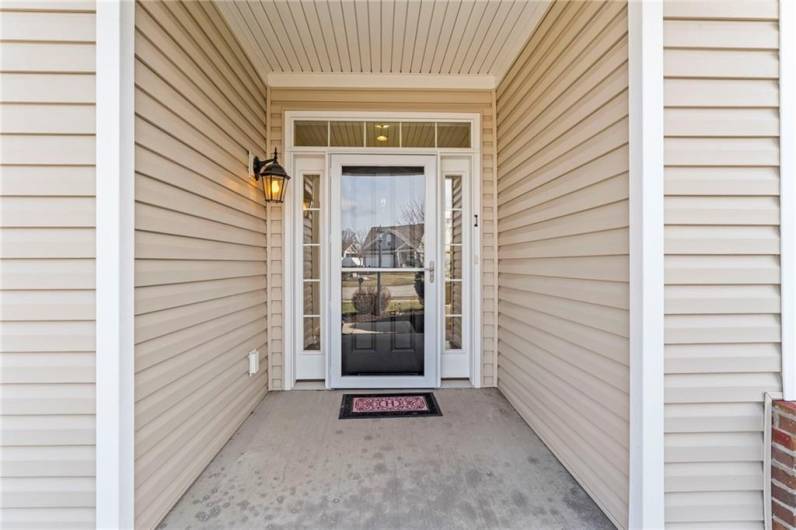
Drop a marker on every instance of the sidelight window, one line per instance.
(311, 262)
(453, 261)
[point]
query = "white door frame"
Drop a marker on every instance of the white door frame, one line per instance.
(311, 363)
(290, 310)
(456, 362)
(432, 335)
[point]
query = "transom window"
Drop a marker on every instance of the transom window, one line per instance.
(334, 133)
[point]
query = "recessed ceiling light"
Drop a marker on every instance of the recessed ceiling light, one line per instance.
(381, 138)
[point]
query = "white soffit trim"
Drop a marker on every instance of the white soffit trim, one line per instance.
(787, 179)
(115, 25)
(646, 487)
(386, 81)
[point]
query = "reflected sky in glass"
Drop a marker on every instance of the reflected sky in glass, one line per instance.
(379, 199)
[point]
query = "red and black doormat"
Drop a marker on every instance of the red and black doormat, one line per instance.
(389, 405)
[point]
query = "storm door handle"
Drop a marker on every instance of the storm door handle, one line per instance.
(430, 270)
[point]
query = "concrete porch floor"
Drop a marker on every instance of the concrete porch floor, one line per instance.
(293, 464)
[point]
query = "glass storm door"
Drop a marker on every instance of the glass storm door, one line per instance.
(384, 271)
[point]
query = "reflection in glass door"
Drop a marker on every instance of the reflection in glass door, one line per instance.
(383, 228)
(382, 223)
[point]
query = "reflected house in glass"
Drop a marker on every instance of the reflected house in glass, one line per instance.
(393, 246)
(351, 257)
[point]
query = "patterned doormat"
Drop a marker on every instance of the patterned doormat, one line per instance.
(389, 405)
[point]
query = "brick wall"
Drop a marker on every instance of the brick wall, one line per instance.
(783, 466)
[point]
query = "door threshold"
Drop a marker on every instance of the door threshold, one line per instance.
(318, 384)
(456, 383)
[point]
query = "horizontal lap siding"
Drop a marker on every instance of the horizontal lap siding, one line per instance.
(722, 302)
(200, 247)
(469, 101)
(47, 339)
(563, 242)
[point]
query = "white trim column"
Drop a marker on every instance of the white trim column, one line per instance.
(114, 263)
(787, 190)
(645, 35)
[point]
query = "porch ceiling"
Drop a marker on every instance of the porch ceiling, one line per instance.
(469, 39)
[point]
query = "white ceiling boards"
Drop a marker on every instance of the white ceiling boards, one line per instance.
(473, 40)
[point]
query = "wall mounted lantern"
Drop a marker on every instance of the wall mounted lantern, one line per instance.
(273, 177)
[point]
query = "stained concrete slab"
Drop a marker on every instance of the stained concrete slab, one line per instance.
(293, 464)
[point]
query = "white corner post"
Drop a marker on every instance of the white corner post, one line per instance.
(645, 35)
(787, 191)
(114, 263)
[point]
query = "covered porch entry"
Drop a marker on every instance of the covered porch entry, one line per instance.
(634, 248)
(543, 167)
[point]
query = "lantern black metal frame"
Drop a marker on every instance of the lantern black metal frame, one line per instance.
(272, 176)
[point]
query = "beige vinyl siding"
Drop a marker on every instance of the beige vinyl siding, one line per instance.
(47, 338)
(722, 303)
(465, 101)
(200, 271)
(563, 242)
